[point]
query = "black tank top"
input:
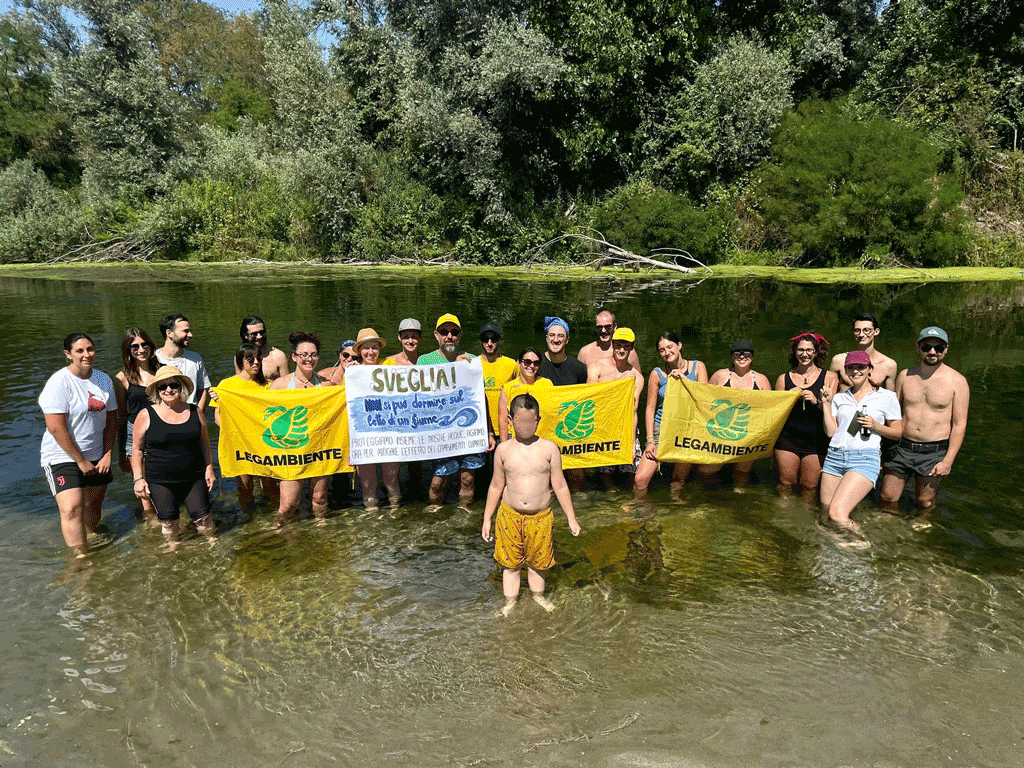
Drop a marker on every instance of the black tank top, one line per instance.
(174, 452)
(805, 426)
(137, 400)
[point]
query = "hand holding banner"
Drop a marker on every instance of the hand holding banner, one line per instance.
(415, 412)
(707, 424)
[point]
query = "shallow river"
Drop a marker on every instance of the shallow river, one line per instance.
(713, 629)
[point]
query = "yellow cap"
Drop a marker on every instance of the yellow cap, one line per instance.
(624, 334)
(448, 318)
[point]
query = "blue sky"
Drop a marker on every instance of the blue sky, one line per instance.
(231, 6)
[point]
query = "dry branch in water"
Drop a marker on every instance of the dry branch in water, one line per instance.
(611, 253)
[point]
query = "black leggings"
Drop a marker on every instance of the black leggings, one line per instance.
(168, 498)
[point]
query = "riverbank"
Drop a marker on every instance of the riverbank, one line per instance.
(177, 271)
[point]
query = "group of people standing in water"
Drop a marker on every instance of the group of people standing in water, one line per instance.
(856, 418)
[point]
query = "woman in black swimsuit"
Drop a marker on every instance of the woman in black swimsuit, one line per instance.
(740, 375)
(800, 449)
(138, 353)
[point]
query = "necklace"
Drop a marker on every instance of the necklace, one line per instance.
(807, 376)
(302, 382)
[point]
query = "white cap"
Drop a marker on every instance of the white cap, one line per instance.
(410, 324)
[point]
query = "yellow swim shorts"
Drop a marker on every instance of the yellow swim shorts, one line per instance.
(523, 538)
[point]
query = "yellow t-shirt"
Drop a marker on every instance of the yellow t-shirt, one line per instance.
(496, 374)
(518, 387)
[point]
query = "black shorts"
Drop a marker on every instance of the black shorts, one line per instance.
(910, 458)
(800, 447)
(64, 477)
(168, 498)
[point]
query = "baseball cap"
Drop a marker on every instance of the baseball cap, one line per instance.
(742, 345)
(490, 327)
(857, 357)
(448, 317)
(933, 332)
(410, 324)
(624, 334)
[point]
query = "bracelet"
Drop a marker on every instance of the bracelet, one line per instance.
(139, 480)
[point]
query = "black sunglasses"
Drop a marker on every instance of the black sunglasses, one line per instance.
(936, 347)
(173, 386)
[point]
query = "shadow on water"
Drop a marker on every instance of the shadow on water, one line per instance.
(694, 627)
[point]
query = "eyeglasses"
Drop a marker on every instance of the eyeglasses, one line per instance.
(531, 363)
(862, 331)
(604, 327)
(937, 347)
(743, 354)
(163, 386)
(134, 347)
(307, 355)
(490, 339)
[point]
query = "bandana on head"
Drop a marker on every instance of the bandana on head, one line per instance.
(821, 340)
(550, 322)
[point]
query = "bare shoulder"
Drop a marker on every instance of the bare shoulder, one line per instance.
(719, 376)
(278, 355)
(838, 361)
(780, 383)
(280, 383)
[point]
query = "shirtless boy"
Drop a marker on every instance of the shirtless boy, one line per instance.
(526, 472)
(275, 362)
(934, 399)
(883, 372)
(601, 349)
(613, 368)
(410, 332)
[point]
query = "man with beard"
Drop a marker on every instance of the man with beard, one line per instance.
(601, 349)
(934, 399)
(447, 332)
(275, 362)
(177, 333)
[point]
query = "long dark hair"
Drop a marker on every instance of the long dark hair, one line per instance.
(820, 349)
(131, 367)
(249, 352)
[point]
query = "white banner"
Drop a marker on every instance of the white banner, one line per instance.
(415, 412)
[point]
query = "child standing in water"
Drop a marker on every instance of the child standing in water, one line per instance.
(526, 471)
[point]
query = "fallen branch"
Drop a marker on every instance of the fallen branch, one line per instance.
(617, 255)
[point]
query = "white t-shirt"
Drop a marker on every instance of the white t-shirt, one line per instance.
(880, 404)
(86, 403)
(190, 364)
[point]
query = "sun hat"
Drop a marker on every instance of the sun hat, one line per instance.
(490, 327)
(741, 345)
(857, 357)
(166, 372)
(448, 317)
(410, 324)
(624, 334)
(933, 332)
(365, 335)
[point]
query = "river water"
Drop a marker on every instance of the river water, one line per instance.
(711, 629)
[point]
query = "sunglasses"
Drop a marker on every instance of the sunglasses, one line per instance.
(346, 355)
(742, 354)
(604, 327)
(453, 333)
(490, 339)
(164, 386)
(937, 347)
(134, 347)
(256, 333)
(531, 363)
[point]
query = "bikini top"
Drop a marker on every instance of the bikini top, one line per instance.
(727, 384)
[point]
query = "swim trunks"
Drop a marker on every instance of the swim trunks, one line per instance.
(523, 538)
(911, 458)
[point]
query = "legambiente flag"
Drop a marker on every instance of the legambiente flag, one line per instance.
(287, 434)
(707, 424)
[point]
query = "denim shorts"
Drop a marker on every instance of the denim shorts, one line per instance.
(445, 467)
(865, 462)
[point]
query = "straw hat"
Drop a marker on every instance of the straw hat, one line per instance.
(365, 335)
(170, 372)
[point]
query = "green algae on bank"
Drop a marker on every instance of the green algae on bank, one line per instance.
(219, 271)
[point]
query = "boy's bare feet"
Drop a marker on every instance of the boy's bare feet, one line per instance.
(543, 602)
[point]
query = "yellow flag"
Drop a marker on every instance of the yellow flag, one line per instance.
(706, 424)
(287, 434)
(592, 424)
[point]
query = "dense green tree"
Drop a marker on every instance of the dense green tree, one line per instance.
(841, 191)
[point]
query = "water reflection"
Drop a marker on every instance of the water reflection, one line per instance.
(692, 627)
